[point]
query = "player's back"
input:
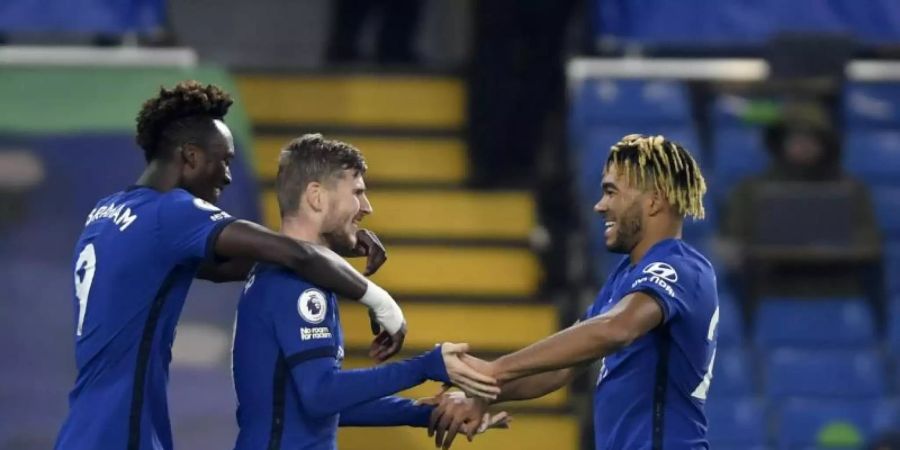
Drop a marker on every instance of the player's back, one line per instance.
(133, 265)
(652, 392)
(281, 321)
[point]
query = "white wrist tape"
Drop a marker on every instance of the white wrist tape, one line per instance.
(387, 311)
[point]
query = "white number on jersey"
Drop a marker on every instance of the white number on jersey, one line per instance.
(87, 263)
(703, 387)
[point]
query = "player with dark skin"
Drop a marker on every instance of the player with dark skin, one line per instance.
(187, 145)
(638, 216)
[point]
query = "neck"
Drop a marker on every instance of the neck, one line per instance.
(302, 229)
(653, 235)
(159, 176)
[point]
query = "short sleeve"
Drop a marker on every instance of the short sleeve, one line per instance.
(189, 226)
(667, 281)
(305, 320)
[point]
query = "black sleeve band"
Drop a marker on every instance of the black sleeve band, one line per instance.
(319, 352)
(213, 236)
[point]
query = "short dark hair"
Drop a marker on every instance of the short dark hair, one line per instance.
(310, 158)
(183, 114)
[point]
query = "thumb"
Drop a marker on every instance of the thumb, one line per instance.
(450, 347)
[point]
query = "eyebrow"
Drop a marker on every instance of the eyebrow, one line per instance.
(608, 185)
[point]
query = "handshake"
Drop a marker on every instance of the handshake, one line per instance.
(465, 411)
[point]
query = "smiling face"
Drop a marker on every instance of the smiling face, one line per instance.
(623, 211)
(347, 205)
(207, 169)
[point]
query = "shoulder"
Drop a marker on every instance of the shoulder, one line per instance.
(676, 261)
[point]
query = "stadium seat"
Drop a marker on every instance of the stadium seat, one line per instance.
(738, 152)
(893, 333)
(873, 155)
(731, 322)
(805, 423)
(736, 423)
(733, 374)
(892, 268)
(833, 374)
(887, 208)
(872, 105)
(631, 101)
(811, 323)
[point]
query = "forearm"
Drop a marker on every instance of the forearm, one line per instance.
(317, 264)
(223, 272)
(580, 344)
(535, 386)
(325, 390)
(386, 412)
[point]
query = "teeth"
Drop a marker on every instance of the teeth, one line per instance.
(610, 224)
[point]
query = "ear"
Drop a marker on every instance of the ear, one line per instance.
(314, 196)
(190, 155)
(656, 204)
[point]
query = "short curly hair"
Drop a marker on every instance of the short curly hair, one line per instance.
(179, 115)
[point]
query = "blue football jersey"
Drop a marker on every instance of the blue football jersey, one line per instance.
(133, 265)
(281, 322)
(651, 393)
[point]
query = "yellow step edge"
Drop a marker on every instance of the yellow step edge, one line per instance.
(440, 213)
(486, 328)
(390, 159)
(557, 399)
(444, 270)
(526, 432)
(355, 100)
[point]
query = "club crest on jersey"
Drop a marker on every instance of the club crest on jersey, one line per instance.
(662, 270)
(205, 205)
(312, 305)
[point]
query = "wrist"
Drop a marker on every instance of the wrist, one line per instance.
(434, 367)
(387, 312)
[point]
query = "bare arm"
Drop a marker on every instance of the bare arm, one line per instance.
(538, 385)
(631, 318)
(243, 240)
(223, 272)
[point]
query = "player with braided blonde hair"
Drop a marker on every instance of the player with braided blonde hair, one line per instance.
(653, 325)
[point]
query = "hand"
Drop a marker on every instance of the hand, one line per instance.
(454, 412)
(368, 245)
(468, 379)
(385, 344)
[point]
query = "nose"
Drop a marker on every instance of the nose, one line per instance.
(600, 207)
(227, 176)
(365, 207)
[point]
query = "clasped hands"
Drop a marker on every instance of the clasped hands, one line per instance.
(456, 412)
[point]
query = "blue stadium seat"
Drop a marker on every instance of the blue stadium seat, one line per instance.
(845, 323)
(892, 269)
(733, 374)
(887, 208)
(893, 333)
(736, 423)
(804, 423)
(872, 105)
(738, 152)
(873, 155)
(825, 374)
(731, 322)
(607, 101)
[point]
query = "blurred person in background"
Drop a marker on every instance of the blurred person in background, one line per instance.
(804, 169)
(137, 257)
(396, 24)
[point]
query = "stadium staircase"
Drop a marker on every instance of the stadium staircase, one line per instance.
(459, 260)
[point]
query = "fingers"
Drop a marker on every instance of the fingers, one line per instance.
(373, 249)
(500, 420)
(451, 432)
(443, 424)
